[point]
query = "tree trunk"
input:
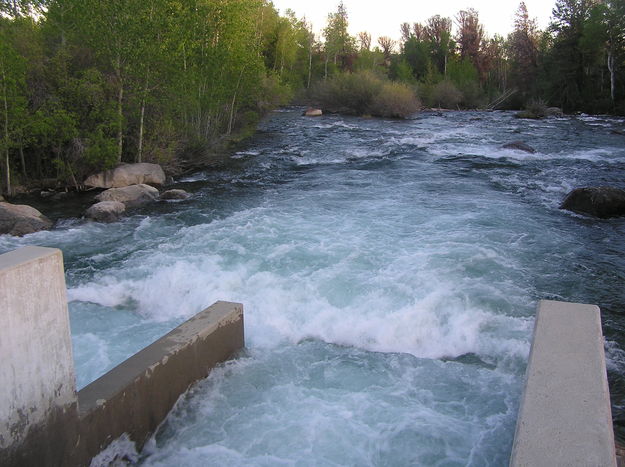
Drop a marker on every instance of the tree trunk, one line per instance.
(140, 148)
(22, 160)
(120, 122)
(325, 76)
(139, 157)
(234, 99)
(612, 70)
(7, 166)
(309, 67)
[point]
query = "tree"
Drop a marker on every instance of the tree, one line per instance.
(364, 39)
(568, 63)
(387, 45)
(338, 42)
(416, 53)
(470, 38)
(523, 50)
(614, 17)
(12, 100)
(438, 33)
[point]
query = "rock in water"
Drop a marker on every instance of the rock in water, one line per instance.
(521, 146)
(175, 194)
(603, 202)
(19, 219)
(131, 196)
(554, 112)
(126, 175)
(106, 211)
(310, 112)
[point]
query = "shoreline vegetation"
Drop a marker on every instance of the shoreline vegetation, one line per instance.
(86, 85)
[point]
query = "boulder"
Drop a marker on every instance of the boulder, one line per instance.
(554, 112)
(602, 202)
(126, 175)
(105, 211)
(19, 219)
(130, 196)
(310, 112)
(174, 194)
(521, 146)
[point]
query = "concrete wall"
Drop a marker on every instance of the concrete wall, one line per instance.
(136, 396)
(43, 422)
(37, 387)
(565, 417)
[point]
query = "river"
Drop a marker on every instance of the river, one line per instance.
(389, 270)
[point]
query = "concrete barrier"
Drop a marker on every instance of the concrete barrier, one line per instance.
(43, 421)
(565, 417)
(136, 396)
(37, 389)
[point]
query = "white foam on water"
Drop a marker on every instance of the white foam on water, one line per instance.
(315, 404)
(119, 453)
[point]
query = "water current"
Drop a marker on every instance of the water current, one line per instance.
(389, 271)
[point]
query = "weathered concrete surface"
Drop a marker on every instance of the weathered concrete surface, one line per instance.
(565, 417)
(136, 396)
(37, 395)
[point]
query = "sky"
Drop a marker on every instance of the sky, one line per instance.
(383, 17)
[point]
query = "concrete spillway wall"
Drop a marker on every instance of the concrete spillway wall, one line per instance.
(43, 420)
(565, 417)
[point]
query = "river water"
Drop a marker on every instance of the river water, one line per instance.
(389, 270)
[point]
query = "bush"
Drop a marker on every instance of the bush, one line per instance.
(534, 109)
(365, 93)
(445, 95)
(395, 100)
(348, 93)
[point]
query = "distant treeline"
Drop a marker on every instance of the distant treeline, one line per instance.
(86, 84)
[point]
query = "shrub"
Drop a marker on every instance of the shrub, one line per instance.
(349, 93)
(395, 100)
(535, 109)
(365, 93)
(445, 95)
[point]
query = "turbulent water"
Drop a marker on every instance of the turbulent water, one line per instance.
(389, 271)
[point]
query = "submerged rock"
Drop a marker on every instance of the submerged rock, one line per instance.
(20, 219)
(126, 175)
(175, 194)
(554, 112)
(310, 112)
(131, 196)
(603, 202)
(105, 211)
(521, 146)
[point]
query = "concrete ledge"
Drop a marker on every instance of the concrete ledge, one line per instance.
(137, 395)
(565, 417)
(37, 384)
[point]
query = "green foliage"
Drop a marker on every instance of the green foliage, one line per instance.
(395, 100)
(445, 95)
(365, 93)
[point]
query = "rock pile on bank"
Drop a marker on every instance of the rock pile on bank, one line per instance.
(129, 186)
